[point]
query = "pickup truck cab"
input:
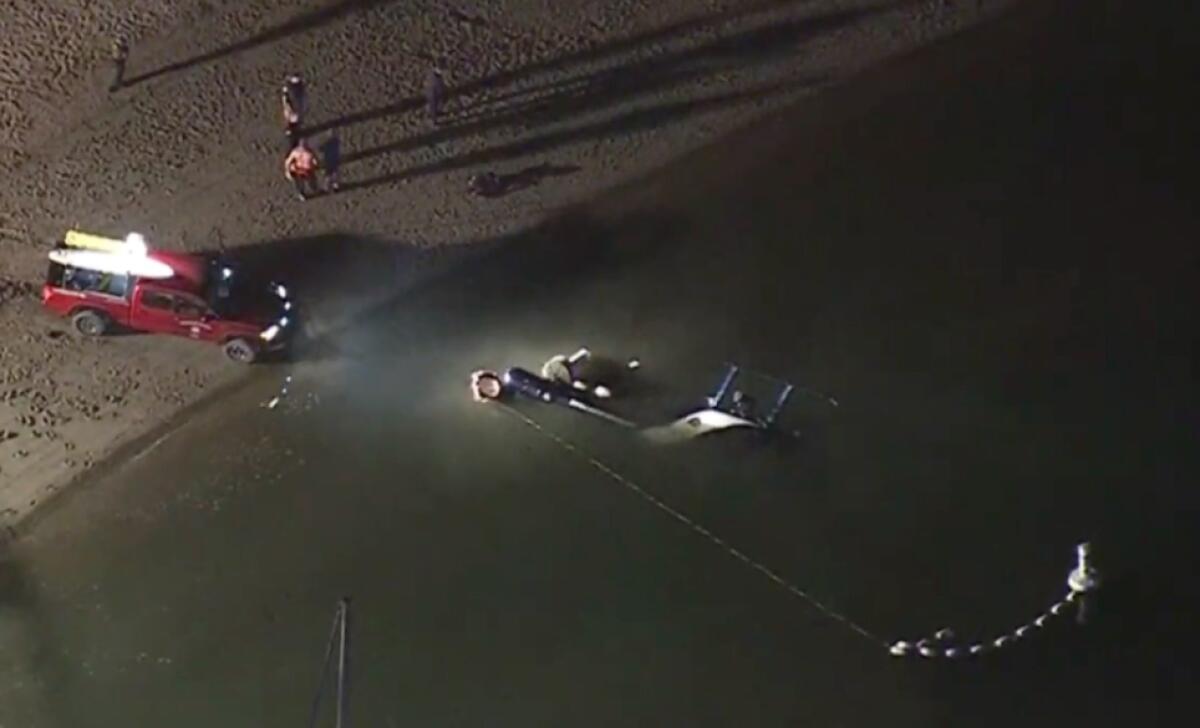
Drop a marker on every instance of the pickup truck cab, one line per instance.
(197, 297)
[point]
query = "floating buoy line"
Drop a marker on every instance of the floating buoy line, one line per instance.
(1081, 581)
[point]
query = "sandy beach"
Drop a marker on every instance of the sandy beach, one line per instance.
(562, 99)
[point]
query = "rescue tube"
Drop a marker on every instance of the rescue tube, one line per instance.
(486, 385)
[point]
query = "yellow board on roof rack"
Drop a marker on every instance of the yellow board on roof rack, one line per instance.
(87, 241)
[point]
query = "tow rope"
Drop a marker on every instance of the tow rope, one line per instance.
(942, 644)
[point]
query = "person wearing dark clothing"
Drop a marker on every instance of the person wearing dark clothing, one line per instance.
(118, 55)
(485, 184)
(435, 94)
(524, 382)
(487, 385)
(294, 102)
(331, 159)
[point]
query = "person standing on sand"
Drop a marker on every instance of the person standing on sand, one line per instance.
(435, 94)
(300, 166)
(118, 55)
(294, 102)
(331, 160)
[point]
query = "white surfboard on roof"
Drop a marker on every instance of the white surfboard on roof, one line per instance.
(115, 263)
(132, 244)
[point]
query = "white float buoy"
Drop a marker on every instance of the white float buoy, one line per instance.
(486, 385)
(1084, 577)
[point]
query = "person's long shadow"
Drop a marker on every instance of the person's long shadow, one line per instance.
(534, 113)
(623, 124)
(298, 24)
(580, 93)
(573, 97)
(644, 40)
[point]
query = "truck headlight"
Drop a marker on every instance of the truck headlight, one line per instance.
(270, 333)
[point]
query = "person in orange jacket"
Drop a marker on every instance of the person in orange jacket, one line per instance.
(300, 167)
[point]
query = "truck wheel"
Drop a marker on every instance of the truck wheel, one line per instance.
(90, 323)
(241, 351)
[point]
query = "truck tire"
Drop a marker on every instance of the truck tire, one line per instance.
(90, 323)
(241, 351)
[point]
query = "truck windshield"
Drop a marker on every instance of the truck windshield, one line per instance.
(231, 294)
(85, 280)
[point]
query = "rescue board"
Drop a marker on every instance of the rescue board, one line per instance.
(696, 424)
(128, 265)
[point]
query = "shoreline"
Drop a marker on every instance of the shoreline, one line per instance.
(76, 432)
(228, 379)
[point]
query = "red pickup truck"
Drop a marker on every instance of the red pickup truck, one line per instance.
(195, 296)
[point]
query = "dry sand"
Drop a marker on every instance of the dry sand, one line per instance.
(576, 96)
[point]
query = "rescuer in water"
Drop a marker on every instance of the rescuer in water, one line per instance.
(559, 381)
(488, 385)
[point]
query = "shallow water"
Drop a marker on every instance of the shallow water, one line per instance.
(1001, 313)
